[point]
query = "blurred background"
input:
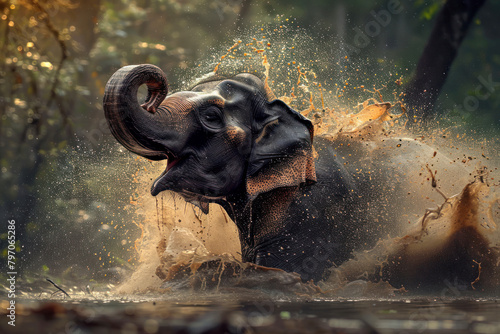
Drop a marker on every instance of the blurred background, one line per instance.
(66, 181)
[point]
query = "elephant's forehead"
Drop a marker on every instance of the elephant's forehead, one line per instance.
(179, 111)
(211, 98)
(179, 105)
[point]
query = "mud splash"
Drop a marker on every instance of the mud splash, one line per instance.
(458, 241)
(455, 243)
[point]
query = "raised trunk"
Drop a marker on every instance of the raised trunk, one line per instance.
(138, 128)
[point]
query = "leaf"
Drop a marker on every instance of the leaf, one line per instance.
(429, 11)
(62, 145)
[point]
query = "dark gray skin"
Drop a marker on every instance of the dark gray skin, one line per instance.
(230, 143)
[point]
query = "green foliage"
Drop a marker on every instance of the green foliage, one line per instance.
(429, 9)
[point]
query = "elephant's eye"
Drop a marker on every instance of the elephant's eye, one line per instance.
(211, 117)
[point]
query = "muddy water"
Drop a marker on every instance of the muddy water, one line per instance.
(443, 232)
(148, 314)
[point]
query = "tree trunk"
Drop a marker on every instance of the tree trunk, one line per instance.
(434, 65)
(243, 14)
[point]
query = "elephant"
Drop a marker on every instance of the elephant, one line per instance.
(301, 203)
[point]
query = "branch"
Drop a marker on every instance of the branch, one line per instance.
(243, 13)
(64, 56)
(58, 287)
(3, 69)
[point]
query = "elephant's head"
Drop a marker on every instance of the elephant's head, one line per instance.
(220, 138)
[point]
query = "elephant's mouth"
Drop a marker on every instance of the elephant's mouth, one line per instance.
(168, 181)
(159, 184)
(171, 162)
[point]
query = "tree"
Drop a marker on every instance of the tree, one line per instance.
(38, 88)
(435, 62)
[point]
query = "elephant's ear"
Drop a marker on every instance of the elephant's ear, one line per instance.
(282, 153)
